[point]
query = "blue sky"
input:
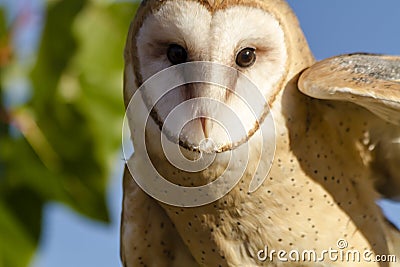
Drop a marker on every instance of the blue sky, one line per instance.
(331, 28)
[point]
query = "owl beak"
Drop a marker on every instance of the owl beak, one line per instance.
(203, 126)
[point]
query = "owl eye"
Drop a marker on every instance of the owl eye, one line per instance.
(176, 54)
(246, 57)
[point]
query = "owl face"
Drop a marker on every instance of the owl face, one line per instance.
(248, 41)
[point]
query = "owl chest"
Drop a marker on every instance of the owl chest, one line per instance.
(317, 192)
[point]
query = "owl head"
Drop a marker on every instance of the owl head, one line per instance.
(252, 47)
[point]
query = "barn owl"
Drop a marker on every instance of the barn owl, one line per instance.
(314, 145)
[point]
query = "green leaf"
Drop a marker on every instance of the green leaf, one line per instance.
(5, 47)
(69, 153)
(62, 143)
(16, 244)
(3, 26)
(57, 47)
(101, 97)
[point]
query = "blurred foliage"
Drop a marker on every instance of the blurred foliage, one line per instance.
(61, 143)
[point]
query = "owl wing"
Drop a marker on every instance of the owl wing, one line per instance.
(371, 81)
(148, 237)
